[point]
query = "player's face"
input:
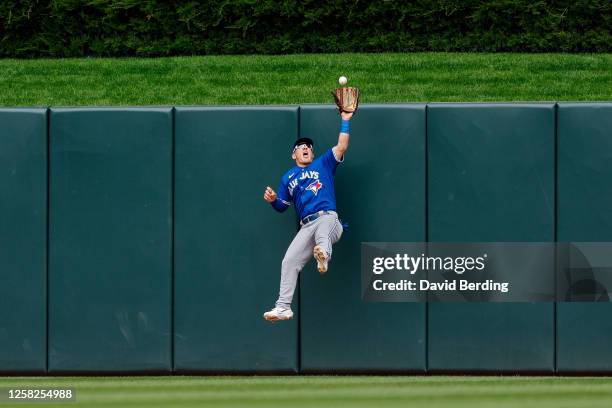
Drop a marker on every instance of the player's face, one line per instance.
(303, 155)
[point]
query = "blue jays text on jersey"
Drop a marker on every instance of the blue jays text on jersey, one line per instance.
(310, 188)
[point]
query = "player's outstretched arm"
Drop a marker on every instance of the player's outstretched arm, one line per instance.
(343, 137)
(271, 197)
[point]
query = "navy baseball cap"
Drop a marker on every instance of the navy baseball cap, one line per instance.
(303, 140)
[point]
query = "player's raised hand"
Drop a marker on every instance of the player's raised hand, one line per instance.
(269, 195)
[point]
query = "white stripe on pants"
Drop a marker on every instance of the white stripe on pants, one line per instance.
(324, 231)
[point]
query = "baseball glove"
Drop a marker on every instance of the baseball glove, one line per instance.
(347, 99)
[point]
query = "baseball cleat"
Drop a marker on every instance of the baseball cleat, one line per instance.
(278, 314)
(321, 257)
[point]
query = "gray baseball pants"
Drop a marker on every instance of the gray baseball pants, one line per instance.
(324, 231)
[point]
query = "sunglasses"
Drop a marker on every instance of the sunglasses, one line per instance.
(302, 145)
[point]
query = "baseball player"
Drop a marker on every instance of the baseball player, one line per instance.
(310, 187)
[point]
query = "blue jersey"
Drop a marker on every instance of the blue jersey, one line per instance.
(311, 188)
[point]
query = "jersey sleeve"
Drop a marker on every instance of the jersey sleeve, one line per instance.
(283, 191)
(283, 199)
(330, 161)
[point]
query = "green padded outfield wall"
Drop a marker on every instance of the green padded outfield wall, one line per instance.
(380, 191)
(491, 178)
(23, 240)
(110, 252)
(584, 330)
(229, 242)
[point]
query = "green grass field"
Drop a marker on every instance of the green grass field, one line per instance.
(328, 391)
(294, 79)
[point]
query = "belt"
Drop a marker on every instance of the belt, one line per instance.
(312, 217)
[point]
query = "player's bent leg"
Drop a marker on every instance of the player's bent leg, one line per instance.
(328, 232)
(295, 258)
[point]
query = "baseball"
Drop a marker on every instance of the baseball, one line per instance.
(342, 80)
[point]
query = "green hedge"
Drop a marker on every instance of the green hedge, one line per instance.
(70, 28)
